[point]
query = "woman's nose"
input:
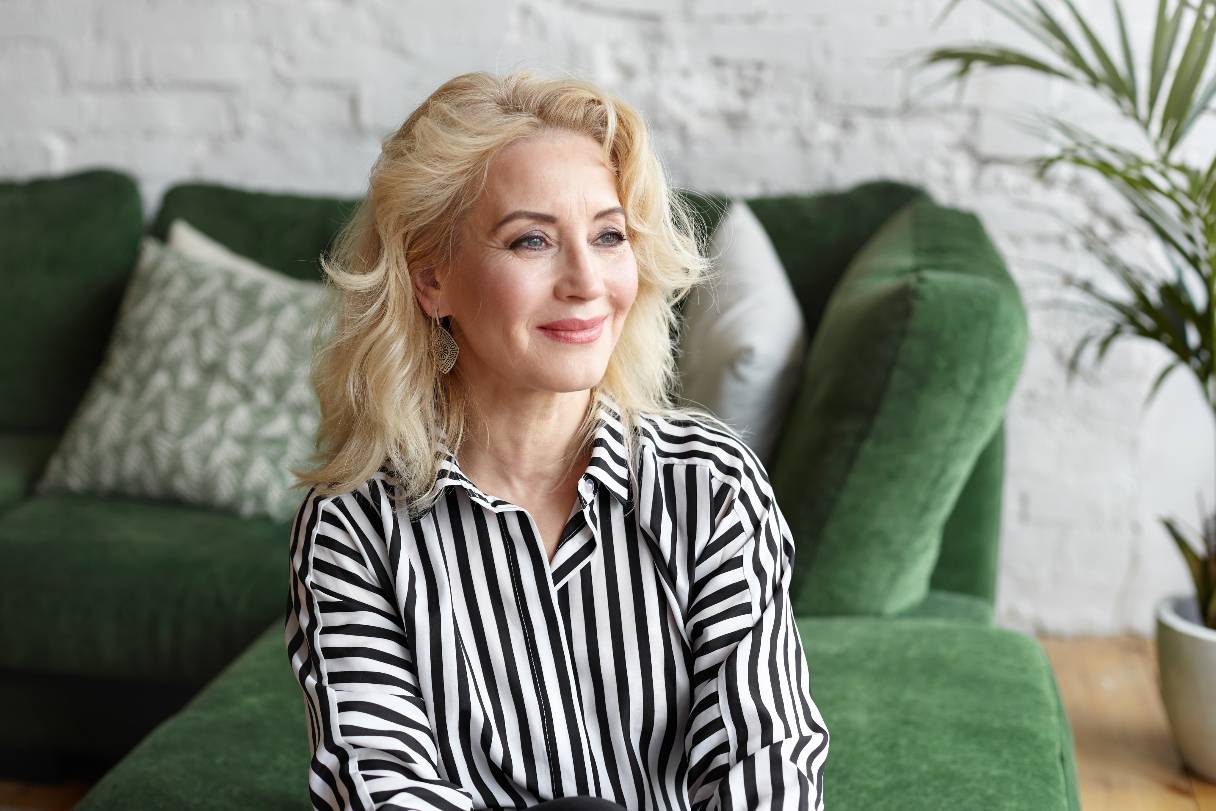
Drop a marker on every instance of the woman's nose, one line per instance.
(581, 269)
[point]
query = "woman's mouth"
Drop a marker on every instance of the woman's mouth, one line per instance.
(568, 333)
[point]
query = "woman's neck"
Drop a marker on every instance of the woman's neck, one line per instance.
(523, 446)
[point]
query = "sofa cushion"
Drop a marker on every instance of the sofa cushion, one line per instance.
(204, 396)
(923, 714)
(938, 714)
(949, 605)
(905, 383)
(67, 247)
(97, 586)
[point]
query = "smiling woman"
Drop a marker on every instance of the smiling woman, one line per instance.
(521, 575)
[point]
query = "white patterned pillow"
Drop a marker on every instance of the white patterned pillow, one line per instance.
(204, 394)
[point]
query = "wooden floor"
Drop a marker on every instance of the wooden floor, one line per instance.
(22, 796)
(1126, 760)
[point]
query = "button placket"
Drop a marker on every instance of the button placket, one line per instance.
(530, 645)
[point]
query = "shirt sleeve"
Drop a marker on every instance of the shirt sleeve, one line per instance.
(371, 741)
(756, 739)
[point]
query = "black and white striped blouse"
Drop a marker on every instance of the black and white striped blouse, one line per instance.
(446, 663)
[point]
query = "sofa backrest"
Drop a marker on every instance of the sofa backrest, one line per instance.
(815, 235)
(67, 248)
(286, 232)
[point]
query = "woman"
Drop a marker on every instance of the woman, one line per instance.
(520, 573)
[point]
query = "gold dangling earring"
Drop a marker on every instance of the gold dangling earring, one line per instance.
(444, 348)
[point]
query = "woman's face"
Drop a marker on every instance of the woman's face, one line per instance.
(545, 242)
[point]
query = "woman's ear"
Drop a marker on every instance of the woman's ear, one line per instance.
(429, 292)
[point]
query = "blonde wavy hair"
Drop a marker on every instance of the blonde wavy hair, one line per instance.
(382, 399)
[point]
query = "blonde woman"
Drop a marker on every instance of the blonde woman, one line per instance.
(522, 576)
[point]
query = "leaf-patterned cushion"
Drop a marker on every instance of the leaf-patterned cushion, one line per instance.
(204, 394)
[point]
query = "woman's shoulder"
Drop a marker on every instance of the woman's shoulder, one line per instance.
(368, 505)
(689, 437)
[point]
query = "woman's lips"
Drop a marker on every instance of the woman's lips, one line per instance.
(576, 336)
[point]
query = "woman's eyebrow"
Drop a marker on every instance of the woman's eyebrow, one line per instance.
(536, 215)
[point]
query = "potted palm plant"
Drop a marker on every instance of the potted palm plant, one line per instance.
(1163, 96)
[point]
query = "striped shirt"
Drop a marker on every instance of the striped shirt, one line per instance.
(447, 663)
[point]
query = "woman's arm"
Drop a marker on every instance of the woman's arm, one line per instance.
(756, 738)
(372, 745)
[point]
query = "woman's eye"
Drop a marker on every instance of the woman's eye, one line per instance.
(530, 238)
(517, 243)
(620, 238)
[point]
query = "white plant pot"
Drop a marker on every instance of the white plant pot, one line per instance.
(1186, 661)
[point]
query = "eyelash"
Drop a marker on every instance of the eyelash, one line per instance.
(621, 239)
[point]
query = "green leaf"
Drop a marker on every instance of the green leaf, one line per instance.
(1174, 297)
(1105, 344)
(1138, 189)
(1110, 73)
(1074, 361)
(1058, 40)
(1175, 308)
(1120, 311)
(1152, 392)
(993, 56)
(1186, 78)
(1164, 329)
(1165, 34)
(1129, 64)
(1194, 563)
(1037, 27)
(1200, 106)
(945, 11)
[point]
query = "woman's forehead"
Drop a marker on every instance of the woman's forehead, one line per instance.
(546, 166)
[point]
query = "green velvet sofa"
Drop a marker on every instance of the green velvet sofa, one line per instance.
(141, 642)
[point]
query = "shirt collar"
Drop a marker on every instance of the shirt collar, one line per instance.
(607, 467)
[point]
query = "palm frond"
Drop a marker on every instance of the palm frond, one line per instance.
(1119, 311)
(1186, 78)
(1165, 34)
(1146, 186)
(1113, 79)
(1055, 37)
(1201, 105)
(1129, 64)
(1162, 327)
(1194, 563)
(996, 56)
(1072, 368)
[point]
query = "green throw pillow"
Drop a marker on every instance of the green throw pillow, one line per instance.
(906, 381)
(204, 394)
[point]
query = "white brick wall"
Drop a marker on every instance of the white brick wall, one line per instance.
(746, 96)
